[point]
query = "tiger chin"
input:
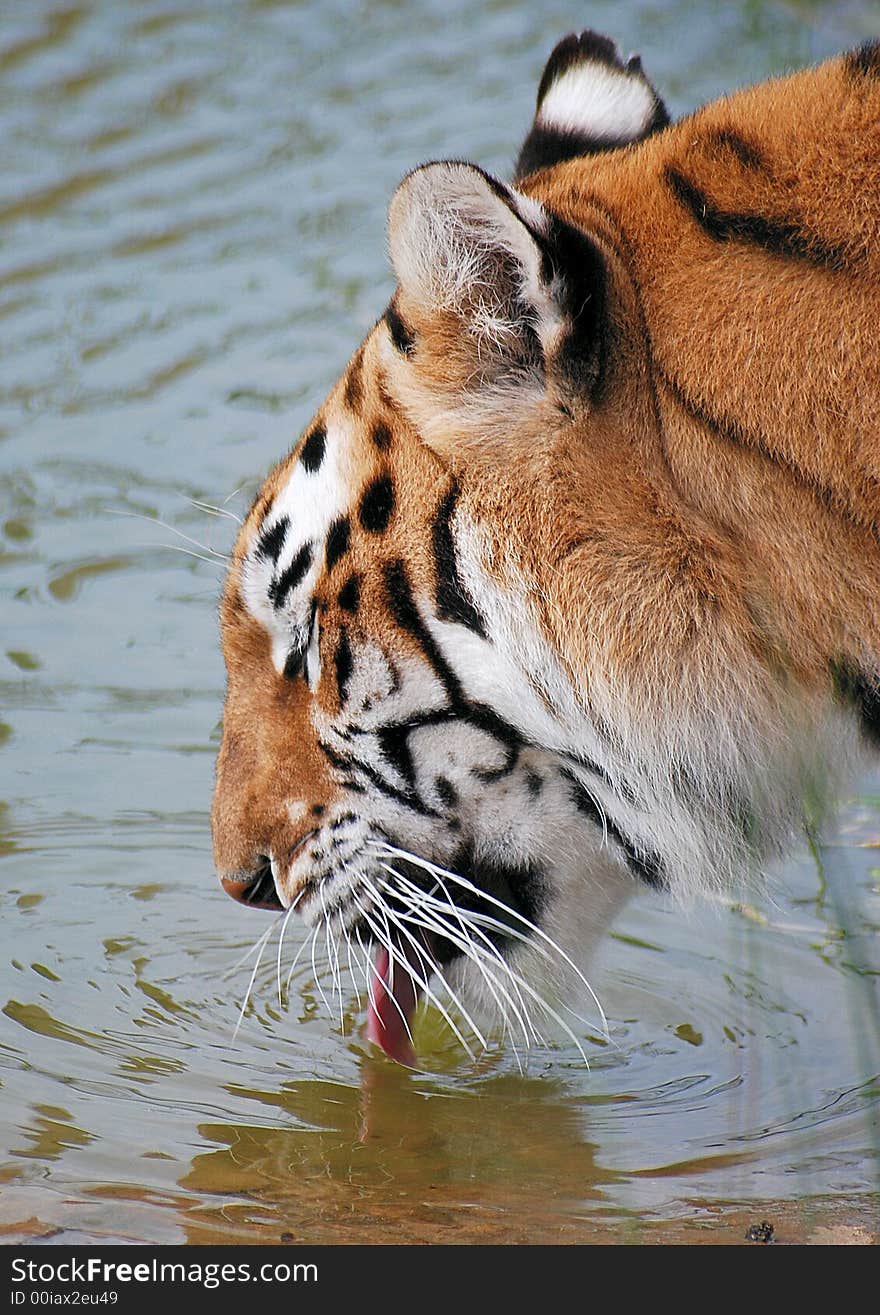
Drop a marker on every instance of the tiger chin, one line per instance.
(573, 583)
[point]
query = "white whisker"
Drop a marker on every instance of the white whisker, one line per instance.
(263, 941)
(421, 979)
(475, 917)
(469, 951)
(551, 1013)
(154, 520)
(239, 963)
(526, 922)
(215, 511)
(320, 989)
(187, 552)
(474, 926)
(368, 976)
(392, 954)
(351, 972)
(426, 958)
(333, 958)
(435, 920)
(296, 959)
(290, 910)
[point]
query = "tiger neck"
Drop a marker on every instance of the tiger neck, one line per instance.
(751, 229)
(669, 650)
(810, 559)
(763, 378)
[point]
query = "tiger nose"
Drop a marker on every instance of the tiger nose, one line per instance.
(255, 887)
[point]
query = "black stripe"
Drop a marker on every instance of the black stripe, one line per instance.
(350, 594)
(403, 608)
(381, 436)
(342, 820)
(578, 263)
(353, 387)
(271, 541)
(865, 61)
(313, 449)
(394, 737)
(293, 663)
(289, 579)
(534, 784)
(646, 866)
(453, 603)
(401, 334)
(342, 663)
(394, 744)
(774, 236)
(861, 692)
(487, 720)
(587, 764)
(446, 791)
(728, 139)
(546, 146)
(377, 505)
(348, 762)
(731, 432)
(338, 538)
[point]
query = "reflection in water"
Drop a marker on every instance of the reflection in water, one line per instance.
(50, 1134)
(192, 216)
(395, 1161)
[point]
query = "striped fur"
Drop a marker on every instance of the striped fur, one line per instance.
(573, 585)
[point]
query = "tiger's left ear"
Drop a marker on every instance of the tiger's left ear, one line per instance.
(496, 294)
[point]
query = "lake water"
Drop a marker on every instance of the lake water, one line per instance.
(192, 208)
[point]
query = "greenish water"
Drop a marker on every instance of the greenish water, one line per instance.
(192, 207)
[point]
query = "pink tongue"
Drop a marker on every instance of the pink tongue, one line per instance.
(394, 998)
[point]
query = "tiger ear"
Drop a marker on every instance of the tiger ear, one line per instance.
(495, 292)
(589, 101)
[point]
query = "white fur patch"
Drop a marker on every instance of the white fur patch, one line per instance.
(311, 501)
(599, 101)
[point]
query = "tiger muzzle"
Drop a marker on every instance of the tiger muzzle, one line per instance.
(255, 888)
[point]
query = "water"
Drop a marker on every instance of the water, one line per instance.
(192, 211)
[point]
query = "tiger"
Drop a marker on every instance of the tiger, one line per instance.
(572, 585)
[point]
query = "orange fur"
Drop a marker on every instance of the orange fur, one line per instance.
(704, 534)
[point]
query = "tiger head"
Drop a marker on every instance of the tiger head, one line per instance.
(392, 759)
(464, 614)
